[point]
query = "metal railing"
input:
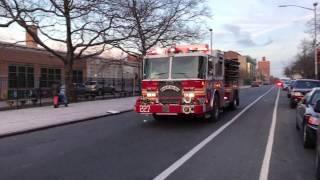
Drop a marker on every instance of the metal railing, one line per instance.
(15, 94)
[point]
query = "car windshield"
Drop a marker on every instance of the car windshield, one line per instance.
(156, 68)
(188, 67)
(306, 84)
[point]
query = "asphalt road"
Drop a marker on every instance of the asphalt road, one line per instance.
(132, 146)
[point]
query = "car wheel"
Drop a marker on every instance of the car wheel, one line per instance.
(307, 141)
(297, 126)
(215, 111)
(292, 104)
(317, 165)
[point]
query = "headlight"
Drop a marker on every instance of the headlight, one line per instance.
(151, 94)
(189, 94)
(297, 94)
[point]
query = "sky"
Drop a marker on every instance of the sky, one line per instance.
(260, 28)
(252, 27)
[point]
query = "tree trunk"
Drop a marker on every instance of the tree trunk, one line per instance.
(68, 69)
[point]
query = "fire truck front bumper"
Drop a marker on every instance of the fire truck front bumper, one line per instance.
(169, 109)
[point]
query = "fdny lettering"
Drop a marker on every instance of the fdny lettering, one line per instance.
(170, 87)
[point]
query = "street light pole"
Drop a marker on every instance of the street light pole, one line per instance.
(315, 42)
(211, 49)
(314, 9)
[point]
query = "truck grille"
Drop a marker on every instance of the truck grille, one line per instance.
(170, 92)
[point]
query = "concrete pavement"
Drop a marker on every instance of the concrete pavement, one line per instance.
(24, 120)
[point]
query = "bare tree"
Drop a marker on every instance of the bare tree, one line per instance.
(304, 62)
(85, 28)
(162, 22)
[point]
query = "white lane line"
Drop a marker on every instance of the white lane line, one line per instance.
(264, 172)
(166, 173)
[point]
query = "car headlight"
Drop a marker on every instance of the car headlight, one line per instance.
(151, 94)
(189, 94)
(297, 94)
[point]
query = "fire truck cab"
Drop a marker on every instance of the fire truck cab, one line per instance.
(188, 81)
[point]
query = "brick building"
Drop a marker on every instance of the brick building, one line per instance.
(24, 68)
(247, 66)
(263, 69)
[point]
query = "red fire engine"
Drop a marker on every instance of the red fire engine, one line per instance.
(188, 81)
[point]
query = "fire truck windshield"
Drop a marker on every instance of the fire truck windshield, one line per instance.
(188, 67)
(156, 68)
(183, 67)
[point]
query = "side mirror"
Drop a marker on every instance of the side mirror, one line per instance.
(317, 107)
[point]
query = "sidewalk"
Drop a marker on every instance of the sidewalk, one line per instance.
(24, 120)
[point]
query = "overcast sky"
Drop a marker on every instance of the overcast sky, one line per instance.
(260, 28)
(253, 27)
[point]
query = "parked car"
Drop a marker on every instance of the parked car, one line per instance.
(317, 110)
(255, 84)
(307, 117)
(285, 85)
(99, 88)
(266, 83)
(300, 88)
(290, 88)
(80, 89)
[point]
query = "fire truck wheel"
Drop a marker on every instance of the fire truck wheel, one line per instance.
(215, 111)
(234, 104)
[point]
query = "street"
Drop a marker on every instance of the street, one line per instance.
(133, 146)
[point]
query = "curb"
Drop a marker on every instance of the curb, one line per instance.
(24, 131)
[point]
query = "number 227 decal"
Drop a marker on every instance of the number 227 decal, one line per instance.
(144, 108)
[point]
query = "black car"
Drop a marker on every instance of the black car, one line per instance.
(80, 89)
(307, 118)
(300, 88)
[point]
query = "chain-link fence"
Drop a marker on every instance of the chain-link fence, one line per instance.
(24, 92)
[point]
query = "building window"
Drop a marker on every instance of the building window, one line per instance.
(77, 76)
(21, 77)
(49, 76)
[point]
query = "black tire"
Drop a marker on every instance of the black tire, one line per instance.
(306, 139)
(56, 106)
(235, 103)
(317, 166)
(215, 111)
(292, 104)
(297, 126)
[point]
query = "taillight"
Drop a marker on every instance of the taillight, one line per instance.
(279, 84)
(313, 120)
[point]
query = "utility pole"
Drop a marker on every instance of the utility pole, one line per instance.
(211, 48)
(315, 45)
(315, 42)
